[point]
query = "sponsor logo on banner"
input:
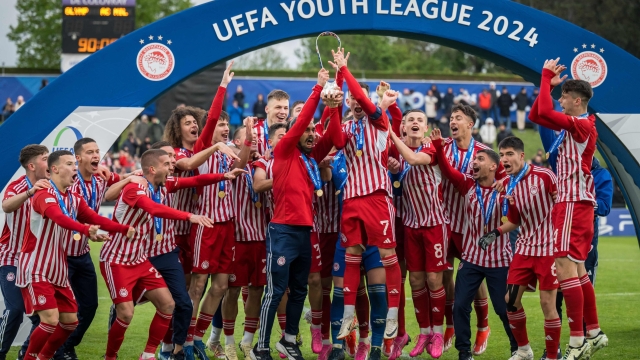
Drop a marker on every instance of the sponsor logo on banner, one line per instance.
(589, 65)
(66, 142)
(155, 60)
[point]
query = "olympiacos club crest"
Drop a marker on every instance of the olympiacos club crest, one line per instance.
(589, 66)
(155, 60)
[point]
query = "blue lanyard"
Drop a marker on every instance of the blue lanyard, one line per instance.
(492, 203)
(254, 196)
(222, 169)
(407, 167)
(66, 211)
(560, 138)
(512, 185)
(467, 156)
(155, 195)
(29, 184)
(339, 171)
(265, 130)
(359, 135)
(314, 172)
(90, 200)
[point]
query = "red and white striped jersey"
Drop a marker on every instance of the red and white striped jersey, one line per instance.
(250, 216)
(78, 248)
(184, 199)
(267, 166)
(43, 257)
(15, 225)
(453, 200)
(422, 204)
(327, 210)
(261, 125)
(168, 243)
(533, 201)
(210, 203)
(497, 254)
(575, 155)
(367, 173)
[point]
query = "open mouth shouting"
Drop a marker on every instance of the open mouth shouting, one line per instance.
(94, 165)
(194, 131)
(476, 169)
(454, 129)
(507, 167)
(309, 141)
(282, 117)
(415, 128)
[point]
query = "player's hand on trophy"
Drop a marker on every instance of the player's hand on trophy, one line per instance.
(323, 77)
(333, 98)
(227, 76)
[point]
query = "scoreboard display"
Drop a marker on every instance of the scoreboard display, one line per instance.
(90, 25)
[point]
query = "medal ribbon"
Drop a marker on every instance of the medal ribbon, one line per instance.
(29, 184)
(512, 185)
(313, 171)
(407, 167)
(359, 135)
(265, 130)
(560, 138)
(254, 196)
(155, 195)
(467, 156)
(221, 170)
(66, 211)
(91, 200)
(339, 171)
(492, 203)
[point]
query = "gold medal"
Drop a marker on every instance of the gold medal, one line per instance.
(319, 192)
(194, 197)
(359, 153)
(485, 229)
(338, 192)
(158, 237)
(396, 184)
(76, 237)
(258, 204)
(221, 194)
(504, 219)
(546, 156)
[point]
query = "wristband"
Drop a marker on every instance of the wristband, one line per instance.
(247, 143)
(499, 231)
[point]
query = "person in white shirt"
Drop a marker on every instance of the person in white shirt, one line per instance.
(488, 132)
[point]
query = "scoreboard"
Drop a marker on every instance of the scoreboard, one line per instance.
(90, 25)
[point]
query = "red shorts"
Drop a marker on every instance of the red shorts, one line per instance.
(328, 251)
(572, 230)
(213, 248)
(426, 248)
(369, 220)
(43, 295)
(524, 270)
(249, 264)
(186, 254)
(123, 281)
(400, 243)
(316, 254)
(455, 246)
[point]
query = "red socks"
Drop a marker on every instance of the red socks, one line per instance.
(421, 305)
(448, 312)
(482, 312)
(316, 317)
(228, 326)
(590, 311)
(282, 321)
(59, 336)
(362, 312)
(326, 312)
(552, 330)
(38, 339)
(157, 329)
(392, 270)
(250, 324)
(351, 278)
(438, 304)
(203, 323)
(572, 291)
(403, 301)
(168, 336)
(115, 338)
(518, 324)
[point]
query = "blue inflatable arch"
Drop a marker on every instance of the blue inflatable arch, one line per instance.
(137, 69)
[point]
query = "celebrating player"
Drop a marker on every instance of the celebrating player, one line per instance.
(124, 263)
(426, 230)
(573, 213)
(529, 198)
(17, 207)
(296, 178)
(368, 215)
(43, 269)
(277, 110)
(481, 213)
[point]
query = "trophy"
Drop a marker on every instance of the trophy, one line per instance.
(330, 87)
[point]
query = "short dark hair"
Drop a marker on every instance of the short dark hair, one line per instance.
(150, 158)
(296, 103)
(236, 133)
(493, 156)
(31, 151)
(275, 127)
(224, 116)
(77, 147)
(466, 110)
(277, 94)
(55, 156)
(365, 86)
(160, 144)
(578, 88)
(512, 142)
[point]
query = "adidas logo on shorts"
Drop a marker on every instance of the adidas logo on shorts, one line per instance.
(387, 241)
(439, 263)
(435, 310)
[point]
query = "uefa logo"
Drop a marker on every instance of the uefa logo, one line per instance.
(155, 61)
(590, 67)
